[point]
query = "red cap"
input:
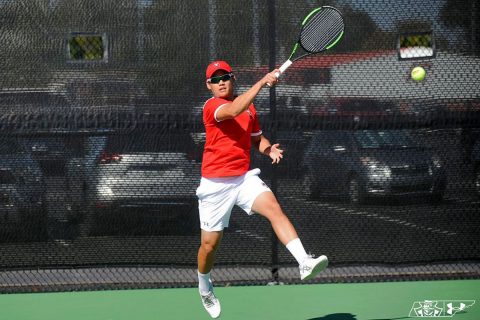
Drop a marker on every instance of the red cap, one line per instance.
(217, 65)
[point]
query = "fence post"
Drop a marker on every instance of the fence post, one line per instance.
(273, 118)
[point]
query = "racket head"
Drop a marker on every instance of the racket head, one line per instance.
(322, 28)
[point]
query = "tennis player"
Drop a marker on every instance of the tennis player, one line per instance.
(232, 128)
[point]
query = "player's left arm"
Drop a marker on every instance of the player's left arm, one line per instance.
(264, 146)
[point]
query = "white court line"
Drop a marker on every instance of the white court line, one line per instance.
(250, 234)
(387, 219)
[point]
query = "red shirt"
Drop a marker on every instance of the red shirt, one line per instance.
(228, 142)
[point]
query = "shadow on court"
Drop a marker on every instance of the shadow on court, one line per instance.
(348, 316)
(336, 316)
(392, 318)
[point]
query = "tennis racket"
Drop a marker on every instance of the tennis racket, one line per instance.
(321, 30)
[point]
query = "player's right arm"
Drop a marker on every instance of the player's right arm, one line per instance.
(241, 103)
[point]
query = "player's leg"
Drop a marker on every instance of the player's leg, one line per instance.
(215, 206)
(267, 205)
(210, 241)
(255, 196)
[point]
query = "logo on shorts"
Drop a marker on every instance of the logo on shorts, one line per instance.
(439, 308)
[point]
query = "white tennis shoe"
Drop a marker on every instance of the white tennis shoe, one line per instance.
(311, 266)
(211, 304)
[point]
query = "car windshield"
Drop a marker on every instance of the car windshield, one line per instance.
(370, 139)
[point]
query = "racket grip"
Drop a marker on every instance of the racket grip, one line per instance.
(284, 67)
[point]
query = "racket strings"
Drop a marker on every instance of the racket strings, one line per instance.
(321, 30)
(320, 33)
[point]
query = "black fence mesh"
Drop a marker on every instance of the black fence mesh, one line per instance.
(102, 138)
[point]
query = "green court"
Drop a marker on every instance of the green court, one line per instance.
(366, 301)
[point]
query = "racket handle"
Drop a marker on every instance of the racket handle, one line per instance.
(282, 69)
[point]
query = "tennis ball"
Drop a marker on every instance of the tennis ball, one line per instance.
(418, 73)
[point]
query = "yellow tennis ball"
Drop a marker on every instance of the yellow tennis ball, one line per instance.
(418, 73)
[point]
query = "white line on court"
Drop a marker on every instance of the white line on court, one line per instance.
(250, 234)
(385, 218)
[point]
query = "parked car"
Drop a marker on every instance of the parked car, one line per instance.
(355, 108)
(141, 175)
(54, 151)
(21, 187)
(422, 111)
(99, 90)
(32, 100)
(371, 163)
(470, 143)
(293, 144)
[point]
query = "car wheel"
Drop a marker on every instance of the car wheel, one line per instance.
(355, 191)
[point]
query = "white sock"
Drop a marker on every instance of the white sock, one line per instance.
(296, 249)
(204, 283)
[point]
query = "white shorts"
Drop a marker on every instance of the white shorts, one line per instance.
(217, 196)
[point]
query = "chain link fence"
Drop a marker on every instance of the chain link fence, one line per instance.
(101, 141)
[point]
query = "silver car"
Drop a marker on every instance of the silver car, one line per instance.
(142, 177)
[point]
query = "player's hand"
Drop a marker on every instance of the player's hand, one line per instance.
(276, 154)
(270, 79)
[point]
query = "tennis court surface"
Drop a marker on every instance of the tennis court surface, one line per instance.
(367, 301)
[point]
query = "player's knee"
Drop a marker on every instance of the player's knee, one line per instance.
(275, 212)
(209, 247)
(275, 208)
(281, 218)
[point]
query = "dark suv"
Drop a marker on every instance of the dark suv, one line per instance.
(371, 163)
(293, 144)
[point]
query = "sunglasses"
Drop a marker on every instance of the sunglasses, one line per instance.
(223, 77)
